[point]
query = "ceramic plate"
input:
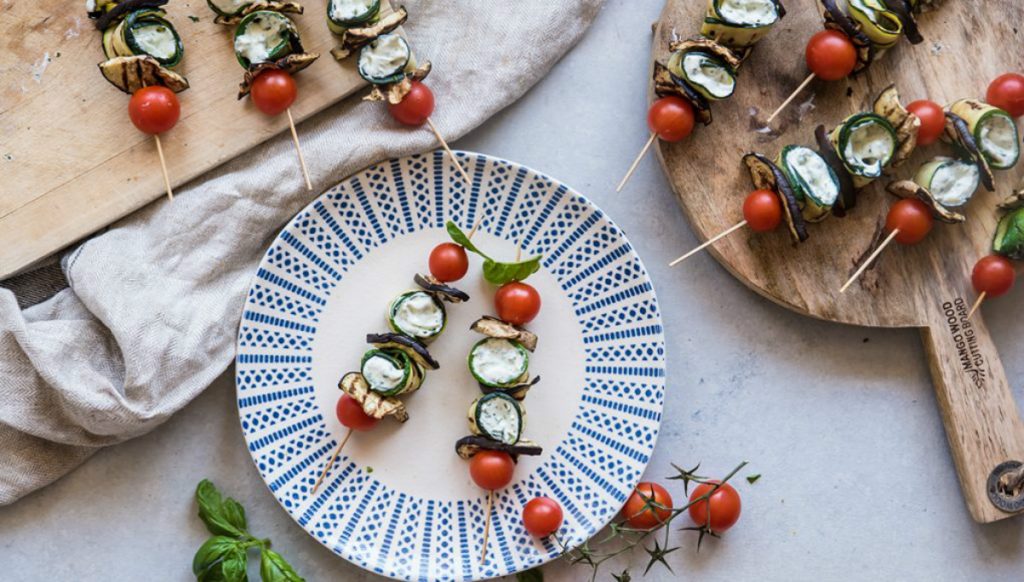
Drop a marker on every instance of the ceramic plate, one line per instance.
(398, 501)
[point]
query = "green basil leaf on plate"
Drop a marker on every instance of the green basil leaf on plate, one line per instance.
(460, 238)
(501, 273)
(274, 568)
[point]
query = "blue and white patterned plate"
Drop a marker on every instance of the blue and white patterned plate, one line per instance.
(398, 501)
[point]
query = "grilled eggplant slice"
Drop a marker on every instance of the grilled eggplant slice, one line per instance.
(130, 74)
(814, 183)
(740, 24)
(354, 39)
(105, 14)
(345, 14)
(390, 372)
(952, 182)
(847, 198)
(993, 130)
(911, 189)
(470, 445)
(373, 404)
(250, 7)
(1013, 201)
(517, 391)
(904, 122)
(396, 341)
(866, 142)
(417, 314)
(767, 176)
(496, 328)
(1009, 238)
(444, 292)
(497, 416)
(905, 12)
(498, 363)
(665, 84)
(290, 64)
(960, 136)
(836, 19)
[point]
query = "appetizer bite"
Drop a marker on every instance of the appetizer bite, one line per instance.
(142, 48)
(704, 68)
(267, 45)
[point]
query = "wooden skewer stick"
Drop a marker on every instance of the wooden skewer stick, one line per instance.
(977, 304)
(451, 154)
(476, 225)
(791, 97)
(636, 162)
(870, 259)
(710, 242)
(487, 525)
(163, 166)
(330, 463)
(298, 149)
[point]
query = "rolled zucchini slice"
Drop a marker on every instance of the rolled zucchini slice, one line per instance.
(228, 8)
(345, 14)
(993, 129)
(385, 59)
(499, 363)
(880, 24)
(147, 33)
(951, 182)
(417, 314)
(866, 142)
(497, 416)
(740, 23)
(1009, 239)
(264, 36)
(390, 372)
(705, 73)
(813, 181)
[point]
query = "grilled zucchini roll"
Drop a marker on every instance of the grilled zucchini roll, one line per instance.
(497, 416)
(880, 24)
(345, 14)
(228, 8)
(390, 372)
(499, 363)
(144, 32)
(704, 72)
(951, 182)
(813, 181)
(417, 314)
(866, 142)
(993, 129)
(740, 23)
(265, 36)
(385, 59)
(1009, 239)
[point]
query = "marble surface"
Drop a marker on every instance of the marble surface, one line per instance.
(841, 421)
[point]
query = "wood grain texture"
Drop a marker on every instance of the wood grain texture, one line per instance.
(71, 162)
(923, 286)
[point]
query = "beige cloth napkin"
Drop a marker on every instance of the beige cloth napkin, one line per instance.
(150, 317)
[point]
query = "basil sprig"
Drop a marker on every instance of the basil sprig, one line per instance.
(494, 271)
(224, 557)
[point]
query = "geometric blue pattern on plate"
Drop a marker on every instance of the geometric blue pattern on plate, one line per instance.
(395, 533)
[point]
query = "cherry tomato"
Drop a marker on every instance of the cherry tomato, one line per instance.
(830, 55)
(448, 262)
(416, 107)
(762, 210)
(724, 508)
(641, 516)
(912, 218)
(542, 516)
(154, 109)
(491, 469)
(993, 275)
(1007, 93)
(517, 303)
(933, 120)
(671, 118)
(273, 91)
(350, 413)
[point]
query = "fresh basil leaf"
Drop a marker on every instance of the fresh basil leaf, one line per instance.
(212, 511)
(460, 238)
(274, 568)
(212, 552)
(531, 575)
(234, 566)
(501, 273)
(234, 513)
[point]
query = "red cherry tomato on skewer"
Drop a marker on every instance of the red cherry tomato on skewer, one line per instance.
(724, 509)
(154, 109)
(417, 106)
(638, 514)
(273, 91)
(448, 262)
(491, 470)
(350, 413)
(542, 516)
(517, 303)
(671, 118)
(831, 55)
(933, 120)
(762, 210)
(912, 218)
(1007, 93)
(993, 275)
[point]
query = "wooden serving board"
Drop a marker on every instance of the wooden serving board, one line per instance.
(71, 162)
(925, 286)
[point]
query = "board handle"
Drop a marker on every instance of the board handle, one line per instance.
(982, 424)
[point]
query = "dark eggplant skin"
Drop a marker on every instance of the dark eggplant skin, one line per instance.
(912, 190)
(123, 8)
(666, 84)
(847, 193)
(958, 132)
(903, 11)
(440, 290)
(836, 19)
(470, 445)
(401, 342)
(767, 176)
(516, 391)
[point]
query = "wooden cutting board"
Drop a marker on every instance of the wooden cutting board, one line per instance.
(71, 162)
(925, 286)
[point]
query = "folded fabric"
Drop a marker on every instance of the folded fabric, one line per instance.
(151, 313)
